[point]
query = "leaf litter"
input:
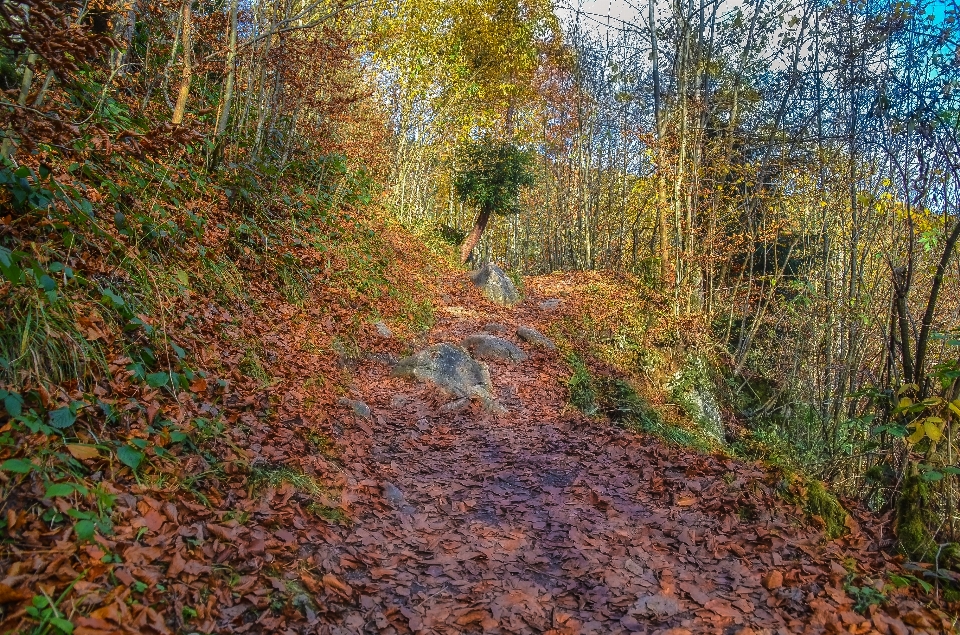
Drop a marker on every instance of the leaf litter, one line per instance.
(315, 517)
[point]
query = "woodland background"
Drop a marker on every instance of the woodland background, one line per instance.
(778, 180)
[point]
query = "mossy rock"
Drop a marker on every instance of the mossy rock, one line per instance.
(915, 516)
(693, 389)
(617, 400)
(816, 501)
(821, 503)
(913, 526)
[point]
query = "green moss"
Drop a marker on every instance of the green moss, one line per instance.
(620, 401)
(821, 503)
(914, 518)
(815, 500)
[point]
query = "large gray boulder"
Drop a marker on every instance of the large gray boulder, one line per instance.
(449, 367)
(485, 346)
(495, 284)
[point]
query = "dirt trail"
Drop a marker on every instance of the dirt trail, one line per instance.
(539, 520)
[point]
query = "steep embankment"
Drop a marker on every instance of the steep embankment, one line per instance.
(206, 477)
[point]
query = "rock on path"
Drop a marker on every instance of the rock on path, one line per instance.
(487, 346)
(449, 367)
(495, 284)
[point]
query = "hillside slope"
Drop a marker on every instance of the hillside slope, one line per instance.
(208, 476)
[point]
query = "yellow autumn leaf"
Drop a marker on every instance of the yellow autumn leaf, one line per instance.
(931, 427)
(905, 403)
(955, 407)
(81, 451)
(917, 435)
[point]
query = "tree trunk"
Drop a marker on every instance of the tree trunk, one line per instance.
(8, 148)
(925, 326)
(181, 106)
(216, 152)
(475, 234)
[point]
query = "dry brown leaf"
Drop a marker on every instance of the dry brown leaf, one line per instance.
(82, 451)
(773, 580)
(9, 594)
(333, 583)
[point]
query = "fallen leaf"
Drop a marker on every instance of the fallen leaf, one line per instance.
(773, 580)
(82, 451)
(9, 594)
(334, 584)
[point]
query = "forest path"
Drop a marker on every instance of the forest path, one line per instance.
(539, 520)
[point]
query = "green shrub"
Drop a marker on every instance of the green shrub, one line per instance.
(582, 388)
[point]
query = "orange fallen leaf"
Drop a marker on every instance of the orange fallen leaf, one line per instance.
(773, 580)
(83, 452)
(334, 584)
(472, 617)
(176, 565)
(313, 585)
(9, 594)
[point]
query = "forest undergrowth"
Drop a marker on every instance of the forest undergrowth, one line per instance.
(174, 442)
(222, 224)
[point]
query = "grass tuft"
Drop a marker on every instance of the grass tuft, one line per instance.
(583, 389)
(41, 342)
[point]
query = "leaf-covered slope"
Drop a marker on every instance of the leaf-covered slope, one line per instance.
(176, 456)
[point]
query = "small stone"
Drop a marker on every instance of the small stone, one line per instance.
(496, 329)
(550, 304)
(393, 494)
(359, 408)
(383, 330)
(388, 359)
(535, 337)
(456, 406)
(395, 497)
(486, 346)
(656, 606)
(633, 567)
